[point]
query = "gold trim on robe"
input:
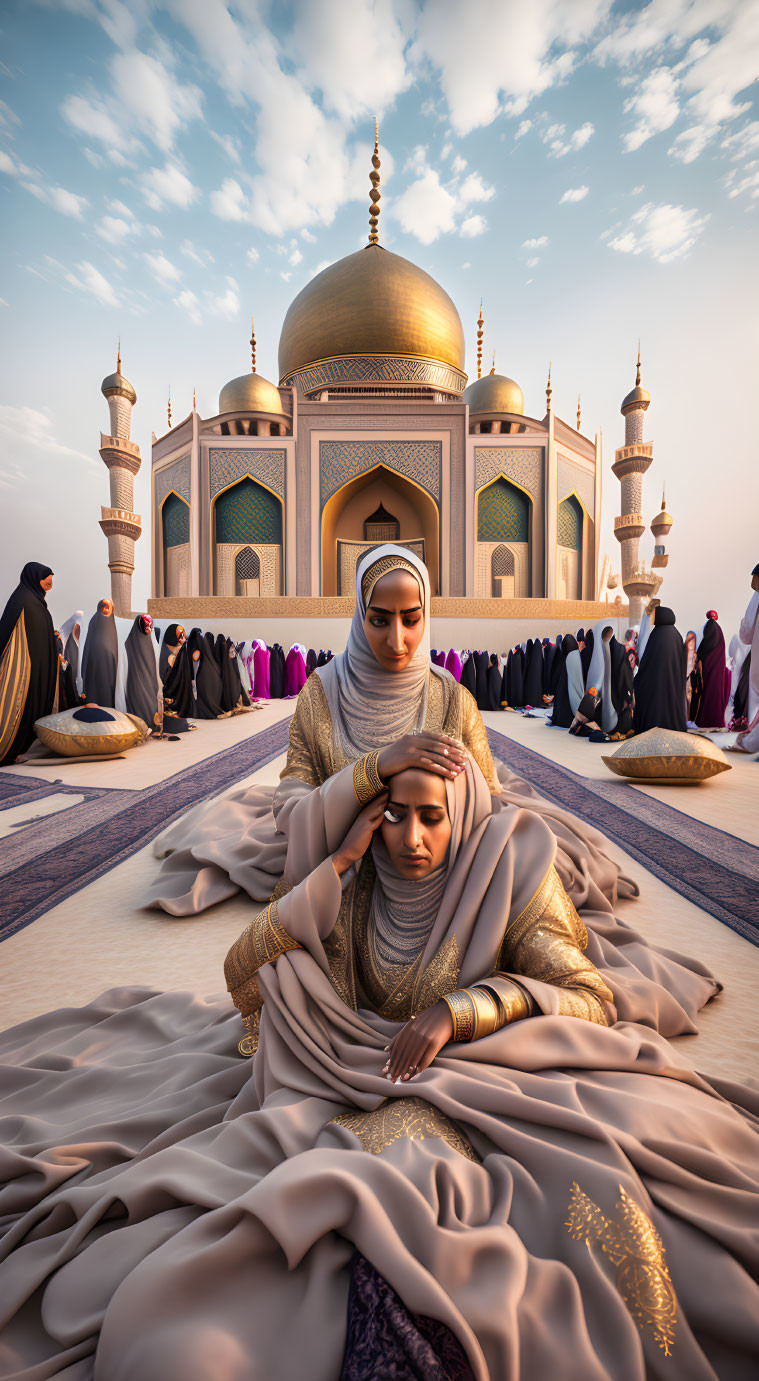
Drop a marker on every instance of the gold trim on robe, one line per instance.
(15, 675)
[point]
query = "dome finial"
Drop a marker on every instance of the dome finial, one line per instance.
(252, 345)
(480, 322)
(168, 410)
(549, 390)
(118, 357)
(663, 497)
(492, 367)
(578, 412)
(637, 374)
(194, 404)
(374, 195)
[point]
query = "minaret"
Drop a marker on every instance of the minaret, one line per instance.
(630, 465)
(121, 526)
(660, 527)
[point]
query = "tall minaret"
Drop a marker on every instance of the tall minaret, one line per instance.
(630, 465)
(121, 526)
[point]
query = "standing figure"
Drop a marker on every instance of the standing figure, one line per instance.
(262, 671)
(691, 646)
(101, 657)
(749, 634)
(660, 680)
(712, 681)
(28, 661)
(142, 681)
(71, 633)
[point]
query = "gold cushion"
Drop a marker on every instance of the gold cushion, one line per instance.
(669, 755)
(76, 738)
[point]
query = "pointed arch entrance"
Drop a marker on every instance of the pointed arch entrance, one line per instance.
(569, 549)
(247, 536)
(352, 512)
(504, 540)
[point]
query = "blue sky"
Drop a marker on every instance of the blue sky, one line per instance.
(591, 169)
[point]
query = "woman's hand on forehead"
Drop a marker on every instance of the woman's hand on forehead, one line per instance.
(427, 752)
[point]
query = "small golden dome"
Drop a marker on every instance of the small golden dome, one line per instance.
(494, 393)
(116, 383)
(250, 393)
(637, 398)
(373, 304)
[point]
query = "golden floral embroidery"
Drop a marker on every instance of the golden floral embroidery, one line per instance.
(260, 943)
(367, 782)
(474, 737)
(248, 1045)
(399, 1117)
(634, 1246)
(381, 567)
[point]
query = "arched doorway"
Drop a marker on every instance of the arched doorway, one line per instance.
(378, 506)
(247, 518)
(504, 538)
(248, 573)
(569, 549)
(503, 569)
(175, 533)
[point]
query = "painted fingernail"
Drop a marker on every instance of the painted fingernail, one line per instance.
(445, 751)
(398, 1080)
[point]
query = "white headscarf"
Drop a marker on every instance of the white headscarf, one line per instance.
(371, 707)
(68, 627)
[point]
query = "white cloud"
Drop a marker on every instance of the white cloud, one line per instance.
(119, 208)
(229, 202)
(226, 305)
(67, 203)
(152, 97)
(531, 263)
(201, 256)
(295, 258)
(537, 242)
(474, 189)
(114, 229)
(744, 180)
(511, 52)
(252, 255)
(560, 146)
(89, 279)
(522, 128)
(168, 185)
(744, 141)
(189, 303)
(664, 232)
(473, 225)
(162, 268)
(307, 236)
(35, 429)
(333, 41)
(574, 194)
(229, 144)
(92, 118)
(458, 164)
(655, 106)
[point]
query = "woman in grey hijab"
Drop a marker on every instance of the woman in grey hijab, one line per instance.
(71, 632)
(101, 656)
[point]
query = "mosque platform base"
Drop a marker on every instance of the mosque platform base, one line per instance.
(495, 624)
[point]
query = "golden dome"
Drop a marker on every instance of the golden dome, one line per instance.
(117, 384)
(250, 393)
(372, 318)
(637, 398)
(494, 393)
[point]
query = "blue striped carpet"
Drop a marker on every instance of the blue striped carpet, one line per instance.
(44, 864)
(715, 870)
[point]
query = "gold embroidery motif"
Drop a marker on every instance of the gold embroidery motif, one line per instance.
(248, 1045)
(474, 737)
(410, 1117)
(381, 567)
(260, 943)
(461, 1007)
(634, 1246)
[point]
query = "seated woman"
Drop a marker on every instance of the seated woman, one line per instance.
(444, 1162)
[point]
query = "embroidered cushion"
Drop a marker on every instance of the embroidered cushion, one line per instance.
(668, 755)
(74, 736)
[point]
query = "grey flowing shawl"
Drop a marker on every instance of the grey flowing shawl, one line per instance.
(71, 642)
(371, 707)
(599, 675)
(100, 659)
(142, 674)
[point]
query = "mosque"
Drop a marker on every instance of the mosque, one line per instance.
(372, 434)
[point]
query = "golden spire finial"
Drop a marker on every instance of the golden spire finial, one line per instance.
(252, 345)
(374, 195)
(480, 321)
(549, 390)
(194, 404)
(492, 367)
(578, 412)
(637, 375)
(663, 498)
(168, 410)
(118, 358)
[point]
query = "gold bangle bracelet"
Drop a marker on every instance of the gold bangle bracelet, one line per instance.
(462, 1010)
(487, 1017)
(367, 782)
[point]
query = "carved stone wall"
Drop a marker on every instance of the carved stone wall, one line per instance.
(340, 461)
(122, 488)
(350, 553)
(227, 464)
(178, 579)
(175, 476)
(270, 558)
(483, 568)
(573, 477)
(525, 464)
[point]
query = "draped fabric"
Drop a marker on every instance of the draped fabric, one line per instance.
(310, 661)
(100, 658)
(261, 671)
(569, 690)
(295, 672)
(482, 667)
(277, 672)
(749, 634)
(533, 675)
(660, 678)
(71, 641)
(176, 675)
(563, 1198)
(453, 664)
(713, 679)
(142, 680)
(469, 675)
(206, 676)
(494, 682)
(28, 662)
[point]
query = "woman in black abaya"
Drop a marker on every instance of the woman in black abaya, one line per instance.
(207, 688)
(469, 676)
(100, 659)
(142, 684)
(176, 675)
(28, 661)
(660, 680)
(533, 675)
(277, 672)
(569, 684)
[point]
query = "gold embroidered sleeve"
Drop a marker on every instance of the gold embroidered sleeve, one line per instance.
(260, 943)
(547, 942)
(302, 760)
(475, 739)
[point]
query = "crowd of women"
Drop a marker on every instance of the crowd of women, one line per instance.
(591, 683)
(462, 1146)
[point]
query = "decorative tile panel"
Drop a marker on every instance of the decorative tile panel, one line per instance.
(248, 513)
(502, 513)
(356, 370)
(270, 569)
(340, 461)
(175, 476)
(228, 464)
(570, 524)
(176, 522)
(525, 464)
(572, 477)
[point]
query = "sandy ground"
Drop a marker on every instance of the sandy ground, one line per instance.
(100, 938)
